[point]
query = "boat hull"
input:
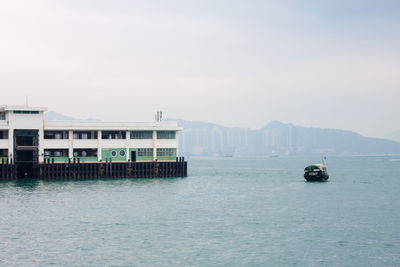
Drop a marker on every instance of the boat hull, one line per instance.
(316, 178)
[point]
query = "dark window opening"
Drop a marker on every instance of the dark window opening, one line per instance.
(25, 112)
(56, 152)
(145, 152)
(85, 152)
(85, 134)
(166, 135)
(141, 135)
(26, 156)
(113, 135)
(56, 135)
(166, 152)
(3, 153)
(3, 134)
(26, 141)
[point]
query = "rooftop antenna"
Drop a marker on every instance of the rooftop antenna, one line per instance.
(158, 116)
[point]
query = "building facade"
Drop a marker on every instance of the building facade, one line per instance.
(25, 137)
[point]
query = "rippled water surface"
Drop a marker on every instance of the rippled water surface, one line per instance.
(231, 212)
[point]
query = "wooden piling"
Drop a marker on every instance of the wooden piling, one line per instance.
(75, 169)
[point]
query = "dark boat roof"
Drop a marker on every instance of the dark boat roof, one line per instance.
(315, 166)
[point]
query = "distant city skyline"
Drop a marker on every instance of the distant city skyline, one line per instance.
(330, 64)
(276, 138)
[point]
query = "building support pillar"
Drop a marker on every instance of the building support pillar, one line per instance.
(99, 146)
(153, 145)
(10, 144)
(127, 137)
(71, 144)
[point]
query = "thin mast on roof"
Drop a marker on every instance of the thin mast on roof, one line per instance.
(158, 116)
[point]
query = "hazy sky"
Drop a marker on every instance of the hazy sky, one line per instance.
(333, 64)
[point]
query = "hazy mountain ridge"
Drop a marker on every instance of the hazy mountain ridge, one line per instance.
(276, 138)
(52, 115)
(395, 136)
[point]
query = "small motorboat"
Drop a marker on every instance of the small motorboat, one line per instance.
(316, 173)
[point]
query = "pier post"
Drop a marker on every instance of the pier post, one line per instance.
(75, 169)
(110, 168)
(79, 172)
(2, 169)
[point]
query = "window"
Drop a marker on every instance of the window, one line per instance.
(3, 153)
(85, 152)
(141, 135)
(56, 135)
(113, 135)
(3, 134)
(56, 152)
(166, 135)
(25, 112)
(166, 152)
(145, 152)
(2, 116)
(85, 135)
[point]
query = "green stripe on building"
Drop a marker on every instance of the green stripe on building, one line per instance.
(115, 154)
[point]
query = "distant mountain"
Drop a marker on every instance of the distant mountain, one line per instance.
(51, 115)
(395, 136)
(276, 138)
(302, 140)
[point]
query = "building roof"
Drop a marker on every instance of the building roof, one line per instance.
(22, 107)
(96, 125)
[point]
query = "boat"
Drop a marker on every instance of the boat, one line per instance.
(274, 154)
(316, 172)
(228, 152)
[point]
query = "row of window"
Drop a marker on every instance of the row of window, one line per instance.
(141, 135)
(104, 135)
(56, 152)
(84, 135)
(3, 114)
(109, 135)
(145, 152)
(92, 152)
(25, 112)
(55, 134)
(166, 152)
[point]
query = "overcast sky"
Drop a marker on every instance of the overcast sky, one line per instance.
(333, 64)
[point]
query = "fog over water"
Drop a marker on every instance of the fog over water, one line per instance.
(332, 64)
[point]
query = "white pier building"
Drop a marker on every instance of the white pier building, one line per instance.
(26, 138)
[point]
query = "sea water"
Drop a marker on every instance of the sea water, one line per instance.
(228, 212)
